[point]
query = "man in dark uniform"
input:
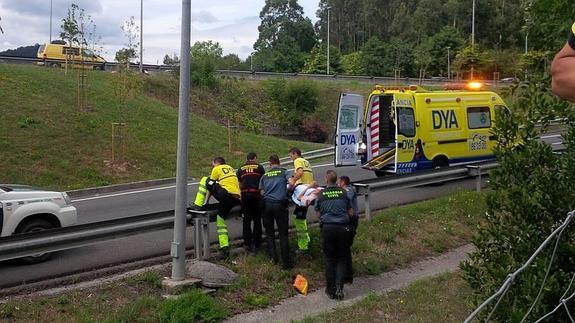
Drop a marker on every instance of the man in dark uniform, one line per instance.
(249, 177)
(274, 189)
(335, 210)
(345, 183)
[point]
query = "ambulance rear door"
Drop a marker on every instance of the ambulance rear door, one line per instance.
(405, 133)
(348, 129)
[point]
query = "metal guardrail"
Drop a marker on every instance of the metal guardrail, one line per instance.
(309, 155)
(426, 178)
(383, 80)
(87, 234)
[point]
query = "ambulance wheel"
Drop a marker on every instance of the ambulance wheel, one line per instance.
(380, 173)
(440, 162)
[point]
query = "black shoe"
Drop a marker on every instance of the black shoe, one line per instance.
(348, 280)
(338, 294)
(329, 293)
(194, 207)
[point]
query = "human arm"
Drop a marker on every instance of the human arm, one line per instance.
(298, 173)
(563, 70)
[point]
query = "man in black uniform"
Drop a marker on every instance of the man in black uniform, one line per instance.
(335, 210)
(249, 177)
(274, 188)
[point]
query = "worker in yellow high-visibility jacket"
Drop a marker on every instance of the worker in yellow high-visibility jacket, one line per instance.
(223, 185)
(302, 175)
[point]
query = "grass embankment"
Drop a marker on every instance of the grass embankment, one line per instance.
(47, 141)
(394, 238)
(440, 299)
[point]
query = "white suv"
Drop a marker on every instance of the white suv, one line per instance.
(26, 209)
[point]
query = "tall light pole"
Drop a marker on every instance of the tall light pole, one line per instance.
(473, 25)
(328, 16)
(141, 36)
(50, 21)
(178, 247)
(448, 63)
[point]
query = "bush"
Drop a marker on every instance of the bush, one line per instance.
(531, 194)
(193, 306)
(293, 100)
(314, 130)
(203, 72)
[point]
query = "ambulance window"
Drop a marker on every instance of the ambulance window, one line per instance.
(348, 117)
(478, 117)
(406, 124)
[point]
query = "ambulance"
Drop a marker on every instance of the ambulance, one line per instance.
(407, 129)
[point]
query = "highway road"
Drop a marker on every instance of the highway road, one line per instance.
(156, 199)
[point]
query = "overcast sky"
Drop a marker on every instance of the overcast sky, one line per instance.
(234, 24)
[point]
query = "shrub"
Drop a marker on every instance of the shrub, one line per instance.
(531, 194)
(193, 306)
(315, 130)
(293, 100)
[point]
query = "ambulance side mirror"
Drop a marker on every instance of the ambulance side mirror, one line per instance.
(417, 123)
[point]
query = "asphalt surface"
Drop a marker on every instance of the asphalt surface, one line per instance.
(157, 199)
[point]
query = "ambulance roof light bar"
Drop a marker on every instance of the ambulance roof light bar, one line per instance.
(413, 88)
(470, 86)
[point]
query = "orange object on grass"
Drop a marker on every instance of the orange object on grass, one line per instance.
(301, 284)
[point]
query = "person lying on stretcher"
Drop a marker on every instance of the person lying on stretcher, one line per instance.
(305, 195)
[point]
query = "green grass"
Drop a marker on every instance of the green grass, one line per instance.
(46, 141)
(393, 239)
(440, 299)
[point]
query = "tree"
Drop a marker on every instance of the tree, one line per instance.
(372, 58)
(547, 22)
(351, 63)
(531, 193)
(126, 55)
(171, 61)
(316, 63)
(447, 37)
(207, 49)
(472, 58)
(285, 36)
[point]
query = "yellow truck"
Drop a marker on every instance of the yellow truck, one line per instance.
(57, 53)
(406, 129)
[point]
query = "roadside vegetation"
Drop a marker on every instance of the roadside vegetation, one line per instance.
(45, 141)
(444, 299)
(393, 239)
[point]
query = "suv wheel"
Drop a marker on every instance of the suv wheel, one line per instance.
(35, 225)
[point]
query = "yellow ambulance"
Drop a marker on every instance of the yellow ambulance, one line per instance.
(57, 53)
(406, 129)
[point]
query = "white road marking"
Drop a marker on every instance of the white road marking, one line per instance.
(154, 189)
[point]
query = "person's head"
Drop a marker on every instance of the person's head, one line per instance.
(252, 157)
(274, 160)
(330, 177)
(343, 181)
(218, 161)
(294, 153)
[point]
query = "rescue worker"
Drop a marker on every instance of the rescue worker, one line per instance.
(302, 175)
(563, 69)
(345, 183)
(223, 185)
(249, 176)
(274, 190)
(335, 211)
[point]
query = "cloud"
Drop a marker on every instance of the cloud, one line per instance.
(203, 17)
(42, 7)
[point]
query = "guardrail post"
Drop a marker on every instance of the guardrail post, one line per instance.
(364, 189)
(206, 236)
(197, 238)
(475, 170)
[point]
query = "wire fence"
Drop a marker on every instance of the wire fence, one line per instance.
(500, 294)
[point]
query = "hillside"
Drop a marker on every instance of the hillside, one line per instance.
(46, 141)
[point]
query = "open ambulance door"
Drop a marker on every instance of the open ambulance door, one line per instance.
(348, 129)
(405, 133)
